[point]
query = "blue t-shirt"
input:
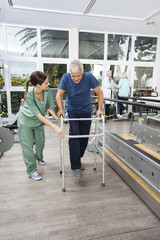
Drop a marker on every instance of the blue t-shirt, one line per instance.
(78, 94)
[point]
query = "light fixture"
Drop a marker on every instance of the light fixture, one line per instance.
(150, 23)
(89, 7)
(10, 3)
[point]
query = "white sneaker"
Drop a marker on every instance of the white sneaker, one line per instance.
(41, 162)
(119, 116)
(124, 111)
(35, 176)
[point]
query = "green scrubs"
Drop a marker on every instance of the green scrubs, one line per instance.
(31, 130)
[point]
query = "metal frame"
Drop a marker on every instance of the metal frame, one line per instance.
(146, 134)
(156, 118)
(142, 173)
(135, 160)
(102, 134)
(136, 186)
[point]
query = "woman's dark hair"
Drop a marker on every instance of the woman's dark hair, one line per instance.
(36, 77)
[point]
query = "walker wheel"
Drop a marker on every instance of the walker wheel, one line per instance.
(103, 184)
(94, 169)
(63, 190)
(60, 172)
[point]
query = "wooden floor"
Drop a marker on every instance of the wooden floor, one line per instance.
(32, 210)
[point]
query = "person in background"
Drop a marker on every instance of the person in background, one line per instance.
(108, 90)
(77, 85)
(124, 86)
(31, 120)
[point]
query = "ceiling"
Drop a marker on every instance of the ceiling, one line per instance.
(119, 16)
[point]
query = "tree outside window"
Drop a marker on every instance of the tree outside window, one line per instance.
(91, 45)
(143, 77)
(119, 47)
(145, 49)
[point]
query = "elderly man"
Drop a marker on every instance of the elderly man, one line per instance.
(77, 85)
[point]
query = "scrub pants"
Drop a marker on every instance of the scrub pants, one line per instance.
(28, 137)
(77, 146)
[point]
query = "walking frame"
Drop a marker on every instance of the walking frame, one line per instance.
(94, 136)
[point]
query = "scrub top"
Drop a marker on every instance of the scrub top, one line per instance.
(32, 106)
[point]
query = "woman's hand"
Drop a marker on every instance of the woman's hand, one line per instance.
(59, 132)
(54, 115)
(58, 120)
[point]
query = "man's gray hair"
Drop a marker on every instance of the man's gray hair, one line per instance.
(76, 66)
(109, 71)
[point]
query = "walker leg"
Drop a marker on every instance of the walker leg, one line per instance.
(103, 168)
(63, 183)
(60, 157)
(95, 157)
(62, 160)
(95, 147)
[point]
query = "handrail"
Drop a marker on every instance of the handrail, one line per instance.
(145, 99)
(131, 103)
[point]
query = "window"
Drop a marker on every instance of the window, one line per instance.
(55, 73)
(54, 44)
(22, 41)
(117, 70)
(1, 42)
(119, 47)
(143, 77)
(91, 45)
(3, 102)
(20, 72)
(95, 69)
(145, 49)
(1, 74)
(16, 100)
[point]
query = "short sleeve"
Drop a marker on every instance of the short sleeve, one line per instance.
(31, 105)
(50, 101)
(93, 81)
(62, 84)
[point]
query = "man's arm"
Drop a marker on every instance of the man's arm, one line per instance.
(59, 95)
(99, 93)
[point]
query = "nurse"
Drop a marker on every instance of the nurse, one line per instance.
(31, 120)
